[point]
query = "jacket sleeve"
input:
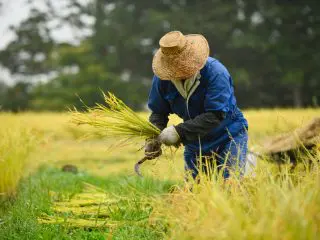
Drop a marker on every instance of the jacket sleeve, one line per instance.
(159, 120)
(199, 126)
(216, 105)
(159, 107)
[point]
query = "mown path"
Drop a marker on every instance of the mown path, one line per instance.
(55, 205)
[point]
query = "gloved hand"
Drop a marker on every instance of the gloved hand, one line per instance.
(169, 136)
(152, 148)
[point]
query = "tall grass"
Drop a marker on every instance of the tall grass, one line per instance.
(15, 146)
(275, 204)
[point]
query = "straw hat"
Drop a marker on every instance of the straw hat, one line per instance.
(180, 56)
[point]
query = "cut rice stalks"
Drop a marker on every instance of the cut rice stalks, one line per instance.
(116, 119)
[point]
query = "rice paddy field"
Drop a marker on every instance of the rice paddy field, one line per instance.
(106, 200)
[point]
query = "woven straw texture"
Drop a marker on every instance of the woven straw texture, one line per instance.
(180, 56)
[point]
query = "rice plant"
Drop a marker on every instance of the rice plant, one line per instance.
(15, 146)
(275, 204)
(116, 119)
(272, 205)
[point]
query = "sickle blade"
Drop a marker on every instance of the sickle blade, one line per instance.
(137, 166)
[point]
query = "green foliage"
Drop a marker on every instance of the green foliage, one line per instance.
(15, 98)
(82, 76)
(19, 217)
(29, 53)
(3, 90)
(270, 47)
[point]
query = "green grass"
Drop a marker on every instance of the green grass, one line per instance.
(19, 216)
(273, 205)
(276, 204)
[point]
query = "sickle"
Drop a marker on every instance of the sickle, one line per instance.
(137, 166)
(145, 158)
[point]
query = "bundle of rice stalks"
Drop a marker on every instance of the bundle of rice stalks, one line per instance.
(303, 141)
(116, 119)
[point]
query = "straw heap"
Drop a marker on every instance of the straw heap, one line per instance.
(116, 119)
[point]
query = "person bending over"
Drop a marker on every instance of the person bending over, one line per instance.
(199, 89)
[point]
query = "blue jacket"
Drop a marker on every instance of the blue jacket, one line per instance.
(215, 92)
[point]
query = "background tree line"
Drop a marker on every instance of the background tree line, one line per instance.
(271, 47)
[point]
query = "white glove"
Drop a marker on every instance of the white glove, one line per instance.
(169, 136)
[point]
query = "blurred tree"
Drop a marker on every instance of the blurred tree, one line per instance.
(285, 38)
(270, 47)
(3, 90)
(112, 51)
(29, 53)
(16, 98)
(82, 77)
(125, 35)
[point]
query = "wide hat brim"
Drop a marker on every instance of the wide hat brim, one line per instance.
(184, 64)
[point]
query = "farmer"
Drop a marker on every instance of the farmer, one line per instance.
(199, 89)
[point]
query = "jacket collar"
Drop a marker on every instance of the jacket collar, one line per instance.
(187, 88)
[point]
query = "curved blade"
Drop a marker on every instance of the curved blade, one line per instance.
(137, 166)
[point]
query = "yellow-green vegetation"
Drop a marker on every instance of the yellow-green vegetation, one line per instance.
(116, 119)
(88, 209)
(16, 143)
(274, 205)
(105, 200)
